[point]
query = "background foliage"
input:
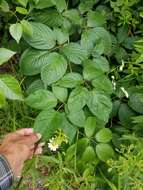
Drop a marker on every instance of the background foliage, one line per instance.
(73, 70)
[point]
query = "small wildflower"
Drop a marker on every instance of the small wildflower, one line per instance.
(113, 77)
(55, 142)
(125, 92)
(52, 145)
(114, 85)
(122, 66)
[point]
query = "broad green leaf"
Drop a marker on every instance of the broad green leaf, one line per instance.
(74, 53)
(21, 10)
(54, 71)
(104, 135)
(34, 86)
(90, 72)
(87, 5)
(74, 16)
(104, 152)
(95, 19)
(77, 118)
(10, 87)
(41, 99)
(23, 2)
(100, 105)
(5, 55)
(78, 99)
(60, 4)
(103, 84)
(47, 122)
(90, 37)
(82, 143)
(90, 126)
(50, 18)
(125, 115)
(27, 28)
(88, 40)
(16, 31)
(2, 99)
(33, 60)
(43, 37)
(136, 102)
(89, 155)
(71, 80)
(44, 4)
(61, 36)
(4, 6)
(101, 63)
(60, 93)
(68, 129)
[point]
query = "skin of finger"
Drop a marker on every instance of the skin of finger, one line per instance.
(18, 134)
(29, 140)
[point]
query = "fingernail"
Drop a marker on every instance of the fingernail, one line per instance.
(39, 151)
(39, 136)
(42, 144)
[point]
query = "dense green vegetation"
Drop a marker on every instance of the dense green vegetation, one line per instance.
(73, 71)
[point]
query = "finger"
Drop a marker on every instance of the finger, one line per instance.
(25, 131)
(30, 140)
(21, 132)
(38, 151)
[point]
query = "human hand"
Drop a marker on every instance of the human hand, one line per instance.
(19, 146)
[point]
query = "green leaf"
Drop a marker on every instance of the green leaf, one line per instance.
(34, 86)
(43, 37)
(77, 118)
(68, 129)
(136, 102)
(41, 99)
(82, 143)
(78, 99)
(74, 16)
(95, 19)
(44, 4)
(33, 60)
(90, 72)
(103, 84)
(60, 93)
(4, 6)
(101, 63)
(90, 126)
(27, 28)
(104, 135)
(125, 115)
(91, 37)
(87, 5)
(60, 4)
(5, 55)
(56, 68)
(23, 2)
(71, 80)
(74, 53)
(61, 35)
(10, 87)
(104, 152)
(100, 105)
(50, 18)
(16, 31)
(2, 100)
(89, 155)
(47, 122)
(21, 10)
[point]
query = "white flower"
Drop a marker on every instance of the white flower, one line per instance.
(122, 66)
(125, 92)
(113, 77)
(52, 145)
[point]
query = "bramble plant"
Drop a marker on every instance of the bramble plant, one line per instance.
(79, 69)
